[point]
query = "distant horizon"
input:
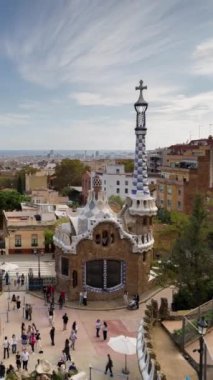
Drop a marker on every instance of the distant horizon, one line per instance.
(53, 153)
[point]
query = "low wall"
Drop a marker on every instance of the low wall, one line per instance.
(148, 366)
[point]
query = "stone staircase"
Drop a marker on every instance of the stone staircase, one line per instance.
(26, 262)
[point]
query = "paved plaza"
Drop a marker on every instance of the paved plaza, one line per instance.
(90, 351)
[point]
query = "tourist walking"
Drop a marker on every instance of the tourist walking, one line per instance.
(25, 358)
(18, 281)
(85, 298)
(109, 365)
(61, 299)
(73, 337)
(6, 347)
(98, 328)
(67, 349)
(65, 321)
(26, 311)
(13, 300)
(22, 279)
(30, 310)
(105, 330)
(24, 338)
(18, 360)
(23, 328)
(13, 344)
(18, 303)
(32, 341)
(75, 327)
(7, 278)
(29, 332)
(38, 341)
(2, 371)
(52, 335)
(62, 360)
(51, 314)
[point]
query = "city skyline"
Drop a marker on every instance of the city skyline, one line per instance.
(68, 71)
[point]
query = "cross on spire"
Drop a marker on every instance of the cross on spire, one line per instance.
(141, 87)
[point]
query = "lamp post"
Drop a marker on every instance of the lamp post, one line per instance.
(202, 327)
(37, 252)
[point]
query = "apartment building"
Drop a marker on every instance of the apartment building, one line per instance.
(188, 170)
(24, 231)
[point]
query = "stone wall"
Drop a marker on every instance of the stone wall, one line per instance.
(148, 365)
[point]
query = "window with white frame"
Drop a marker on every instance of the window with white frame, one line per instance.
(17, 240)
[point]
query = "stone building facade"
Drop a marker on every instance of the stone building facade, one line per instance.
(189, 171)
(105, 253)
(23, 231)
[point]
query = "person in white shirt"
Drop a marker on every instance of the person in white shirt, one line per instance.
(25, 357)
(98, 328)
(13, 343)
(73, 337)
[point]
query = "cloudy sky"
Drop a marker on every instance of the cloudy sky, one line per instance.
(68, 71)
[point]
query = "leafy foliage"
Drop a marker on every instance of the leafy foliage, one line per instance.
(116, 199)
(68, 173)
(48, 238)
(11, 200)
(164, 215)
(191, 262)
(128, 165)
(8, 182)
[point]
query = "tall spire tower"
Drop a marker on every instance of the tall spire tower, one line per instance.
(140, 206)
(140, 177)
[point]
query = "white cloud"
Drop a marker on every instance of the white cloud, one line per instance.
(93, 53)
(123, 94)
(203, 56)
(13, 119)
(30, 105)
(89, 43)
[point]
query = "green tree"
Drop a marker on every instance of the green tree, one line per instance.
(191, 262)
(68, 173)
(116, 200)
(128, 165)
(164, 215)
(10, 200)
(48, 238)
(7, 182)
(20, 184)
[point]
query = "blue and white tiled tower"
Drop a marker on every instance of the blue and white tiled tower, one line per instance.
(140, 177)
(140, 206)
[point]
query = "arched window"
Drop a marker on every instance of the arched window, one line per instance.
(97, 239)
(74, 278)
(64, 266)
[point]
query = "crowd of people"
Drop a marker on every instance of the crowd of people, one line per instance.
(18, 281)
(29, 340)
